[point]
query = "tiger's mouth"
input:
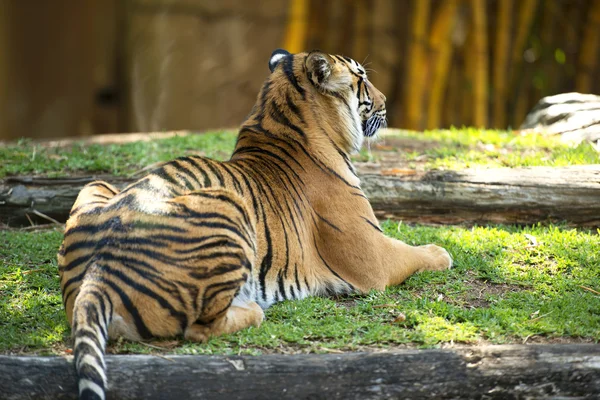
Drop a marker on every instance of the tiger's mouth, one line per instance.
(371, 125)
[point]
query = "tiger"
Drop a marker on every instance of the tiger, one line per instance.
(199, 248)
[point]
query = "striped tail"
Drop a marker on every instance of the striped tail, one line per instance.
(92, 314)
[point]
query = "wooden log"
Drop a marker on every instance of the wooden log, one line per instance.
(503, 195)
(491, 372)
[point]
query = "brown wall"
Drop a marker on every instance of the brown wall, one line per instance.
(50, 66)
(196, 64)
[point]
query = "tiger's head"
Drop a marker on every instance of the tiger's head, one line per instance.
(335, 84)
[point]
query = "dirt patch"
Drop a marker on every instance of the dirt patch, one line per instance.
(476, 295)
(345, 302)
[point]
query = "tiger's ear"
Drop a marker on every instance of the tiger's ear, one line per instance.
(319, 68)
(276, 58)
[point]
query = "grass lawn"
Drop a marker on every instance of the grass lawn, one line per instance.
(510, 284)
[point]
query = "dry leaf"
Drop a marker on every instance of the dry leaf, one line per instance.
(400, 318)
(384, 148)
(398, 171)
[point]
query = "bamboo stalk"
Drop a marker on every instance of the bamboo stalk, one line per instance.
(518, 107)
(548, 36)
(361, 30)
(384, 56)
(588, 53)
(415, 78)
(526, 14)
(336, 10)
(296, 30)
(441, 57)
(318, 23)
(480, 92)
(467, 80)
(503, 31)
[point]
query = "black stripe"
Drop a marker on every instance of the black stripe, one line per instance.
(185, 174)
(92, 336)
(212, 272)
(135, 285)
(296, 278)
(140, 325)
(196, 161)
(102, 184)
(238, 187)
(226, 242)
(288, 70)
(327, 221)
(253, 196)
(76, 262)
(327, 265)
(88, 204)
(65, 287)
(223, 286)
(89, 394)
(226, 199)
(165, 175)
(266, 262)
(215, 171)
(280, 117)
(372, 224)
(281, 286)
(87, 371)
(293, 107)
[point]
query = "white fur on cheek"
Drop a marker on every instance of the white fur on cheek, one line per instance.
(352, 126)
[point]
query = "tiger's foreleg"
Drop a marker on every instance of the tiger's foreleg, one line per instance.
(402, 260)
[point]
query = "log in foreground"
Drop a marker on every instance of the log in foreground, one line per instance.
(503, 195)
(492, 372)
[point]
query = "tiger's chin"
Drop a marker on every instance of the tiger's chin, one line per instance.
(372, 126)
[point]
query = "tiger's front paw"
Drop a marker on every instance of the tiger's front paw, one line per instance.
(438, 258)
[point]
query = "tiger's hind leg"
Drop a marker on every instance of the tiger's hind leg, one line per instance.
(225, 261)
(235, 319)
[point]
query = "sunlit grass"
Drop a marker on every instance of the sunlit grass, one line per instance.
(469, 148)
(510, 284)
(441, 149)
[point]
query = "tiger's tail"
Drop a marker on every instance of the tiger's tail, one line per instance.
(92, 314)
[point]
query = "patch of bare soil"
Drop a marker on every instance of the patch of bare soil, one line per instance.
(478, 290)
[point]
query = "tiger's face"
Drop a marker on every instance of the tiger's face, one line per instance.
(341, 80)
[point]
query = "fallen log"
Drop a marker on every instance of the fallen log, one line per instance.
(503, 195)
(489, 372)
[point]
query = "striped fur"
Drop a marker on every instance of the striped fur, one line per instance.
(199, 247)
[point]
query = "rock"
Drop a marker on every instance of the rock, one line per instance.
(574, 116)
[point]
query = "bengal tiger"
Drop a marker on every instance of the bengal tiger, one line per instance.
(200, 247)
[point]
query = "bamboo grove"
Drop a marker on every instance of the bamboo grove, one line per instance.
(483, 63)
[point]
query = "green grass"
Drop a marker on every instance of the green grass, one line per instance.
(442, 149)
(468, 147)
(502, 290)
(28, 157)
